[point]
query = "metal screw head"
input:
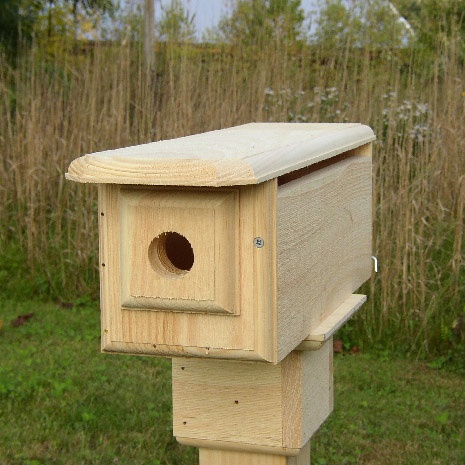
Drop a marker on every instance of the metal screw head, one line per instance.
(258, 242)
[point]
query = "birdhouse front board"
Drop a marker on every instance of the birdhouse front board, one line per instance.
(235, 243)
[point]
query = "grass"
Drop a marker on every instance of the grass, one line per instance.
(62, 402)
(393, 411)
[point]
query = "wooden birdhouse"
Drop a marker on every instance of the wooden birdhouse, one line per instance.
(243, 243)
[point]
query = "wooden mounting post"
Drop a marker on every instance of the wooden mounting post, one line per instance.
(229, 457)
(252, 408)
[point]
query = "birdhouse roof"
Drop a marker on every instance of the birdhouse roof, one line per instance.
(247, 154)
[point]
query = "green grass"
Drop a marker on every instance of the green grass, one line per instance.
(62, 402)
(393, 412)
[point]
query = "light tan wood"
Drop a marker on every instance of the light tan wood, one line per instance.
(265, 270)
(224, 306)
(227, 401)
(317, 235)
(326, 329)
(227, 457)
(237, 244)
(324, 244)
(240, 447)
(209, 222)
(109, 264)
(234, 299)
(248, 154)
(318, 391)
(259, 407)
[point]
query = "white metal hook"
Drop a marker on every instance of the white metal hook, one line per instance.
(376, 263)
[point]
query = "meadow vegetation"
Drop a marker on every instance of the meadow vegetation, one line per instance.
(61, 99)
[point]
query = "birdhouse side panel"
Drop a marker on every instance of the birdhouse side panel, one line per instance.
(324, 243)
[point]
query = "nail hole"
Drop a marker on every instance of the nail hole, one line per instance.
(236, 401)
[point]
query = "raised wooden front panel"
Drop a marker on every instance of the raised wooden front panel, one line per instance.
(180, 251)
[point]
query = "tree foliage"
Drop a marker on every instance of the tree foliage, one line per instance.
(434, 21)
(17, 18)
(176, 23)
(20, 20)
(259, 22)
(362, 24)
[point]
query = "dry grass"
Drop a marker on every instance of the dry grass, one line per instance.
(54, 109)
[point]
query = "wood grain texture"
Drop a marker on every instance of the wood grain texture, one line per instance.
(318, 393)
(110, 273)
(209, 222)
(225, 306)
(235, 300)
(247, 154)
(239, 447)
(258, 407)
(323, 244)
(227, 401)
(228, 457)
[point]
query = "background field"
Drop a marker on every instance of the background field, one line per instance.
(400, 379)
(58, 106)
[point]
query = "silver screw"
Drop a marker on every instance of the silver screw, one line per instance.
(258, 242)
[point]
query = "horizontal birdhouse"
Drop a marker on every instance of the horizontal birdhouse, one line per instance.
(240, 243)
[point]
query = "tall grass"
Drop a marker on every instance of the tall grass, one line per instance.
(57, 107)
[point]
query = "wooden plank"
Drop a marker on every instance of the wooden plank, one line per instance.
(326, 329)
(228, 457)
(292, 389)
(248, 154)
(324, 244)
(109, 264)
(236, 446)
(317, 392)
(158, 275)
(307, 384)
(251, 405)
(227, 401)
(265, 269)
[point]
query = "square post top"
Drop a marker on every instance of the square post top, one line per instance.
(241, 155)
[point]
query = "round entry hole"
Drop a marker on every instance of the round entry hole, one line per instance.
(171, 253)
